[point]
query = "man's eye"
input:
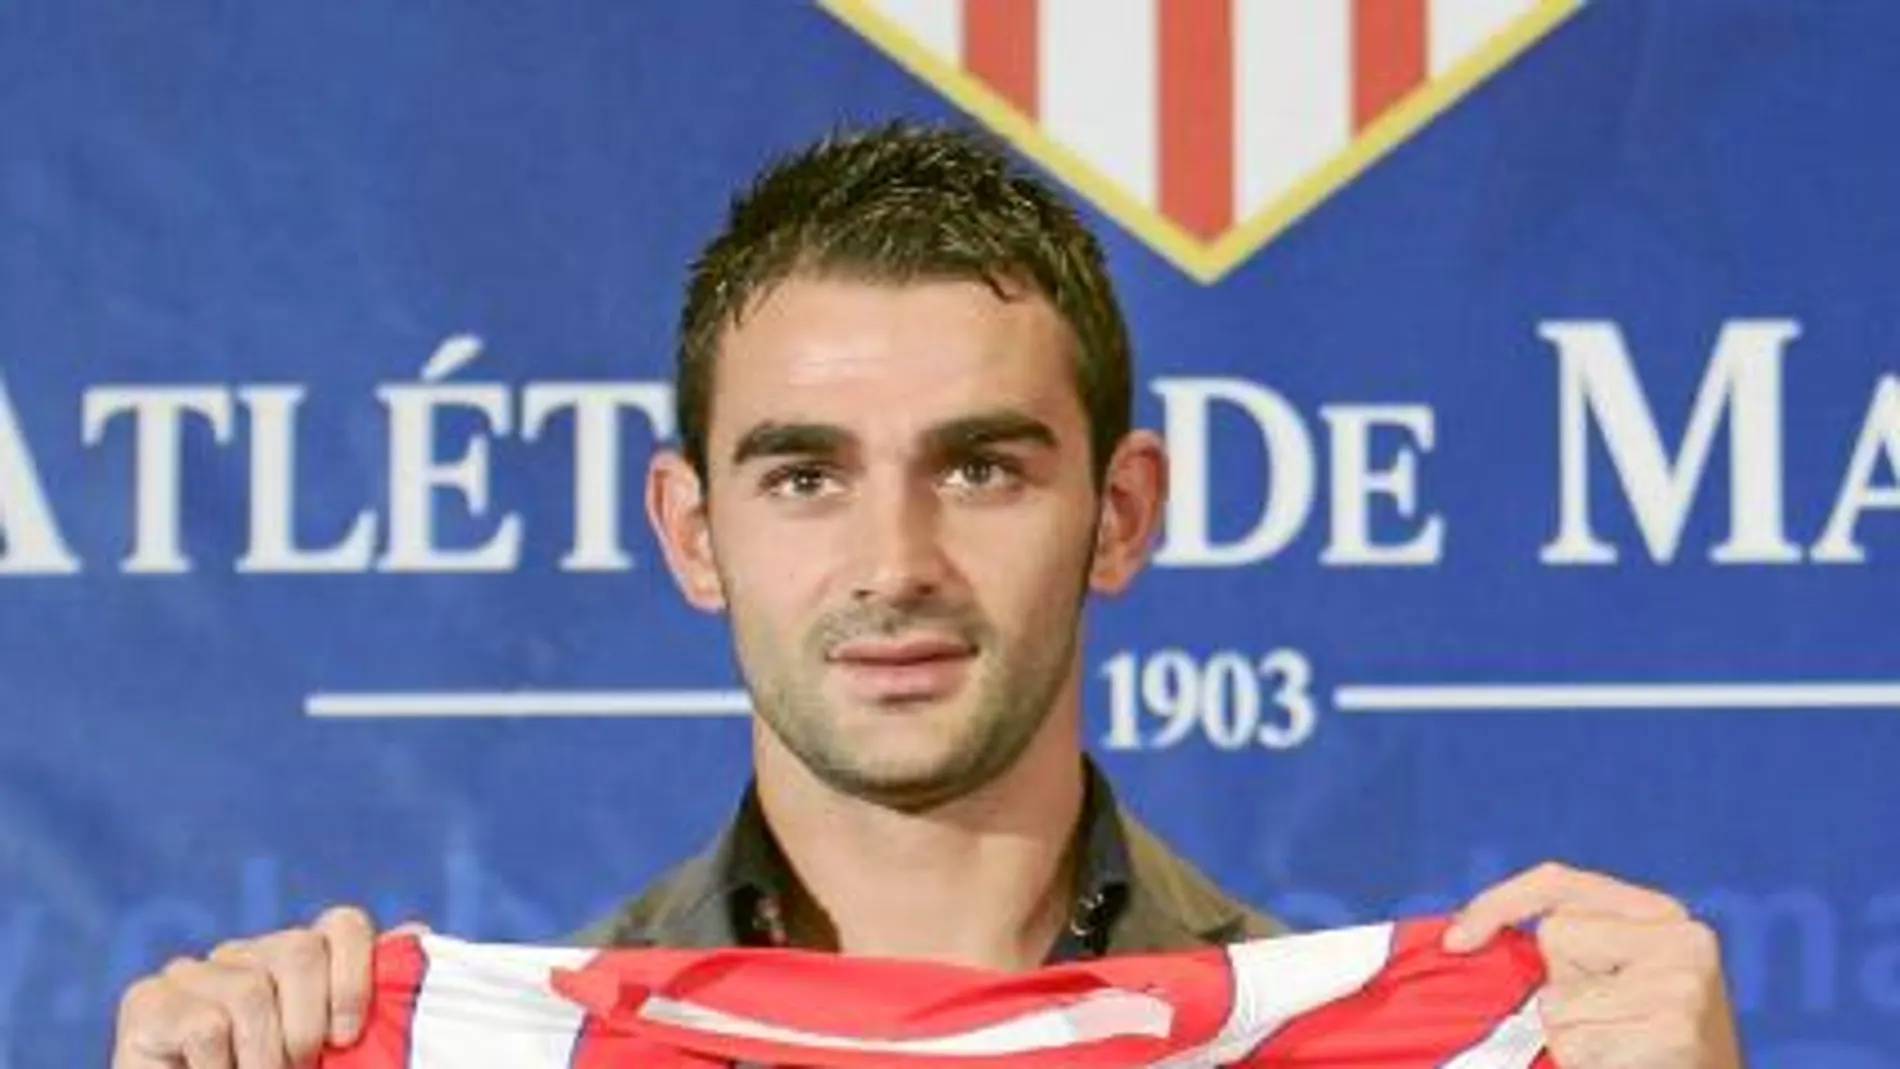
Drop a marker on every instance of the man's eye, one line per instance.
(982, 473)
(799, 481)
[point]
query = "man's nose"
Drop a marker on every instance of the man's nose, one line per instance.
(900, 558)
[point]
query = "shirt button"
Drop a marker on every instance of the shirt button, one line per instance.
(1082, 921)
(769, 920)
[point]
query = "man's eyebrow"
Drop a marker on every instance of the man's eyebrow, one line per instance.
(790, 439)
(988, 428)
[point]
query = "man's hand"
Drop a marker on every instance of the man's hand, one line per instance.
(1635, 982)
(265, 1003)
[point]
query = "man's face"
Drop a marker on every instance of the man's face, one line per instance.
(901, 515)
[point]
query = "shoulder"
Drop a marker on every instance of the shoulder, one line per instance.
(1173, 905)
(682, 907)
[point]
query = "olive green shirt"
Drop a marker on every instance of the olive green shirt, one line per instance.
(1133, 895)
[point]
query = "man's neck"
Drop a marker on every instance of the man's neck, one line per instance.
(984, 880)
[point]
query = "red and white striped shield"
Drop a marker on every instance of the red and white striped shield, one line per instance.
(1205, 126)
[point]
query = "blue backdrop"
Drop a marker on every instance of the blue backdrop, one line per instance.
(1595, 374)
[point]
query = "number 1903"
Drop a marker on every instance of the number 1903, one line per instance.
(1234, 700)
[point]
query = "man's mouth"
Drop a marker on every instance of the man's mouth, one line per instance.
(903, 668)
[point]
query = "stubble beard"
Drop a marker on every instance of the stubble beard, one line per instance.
(1014, 695)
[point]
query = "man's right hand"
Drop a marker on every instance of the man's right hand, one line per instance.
(266, 1003)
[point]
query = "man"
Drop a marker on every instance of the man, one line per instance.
(906, 458)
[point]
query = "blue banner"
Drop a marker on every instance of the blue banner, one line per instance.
(1530, 372)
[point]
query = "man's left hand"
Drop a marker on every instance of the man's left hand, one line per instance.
(1635, 982)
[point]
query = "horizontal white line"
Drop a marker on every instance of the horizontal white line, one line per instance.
(1366, 698)
(654, 703)
(1454, 697)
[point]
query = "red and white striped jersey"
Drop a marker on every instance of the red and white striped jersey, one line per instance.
(1379, 995)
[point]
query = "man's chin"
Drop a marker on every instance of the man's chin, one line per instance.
(908, 785)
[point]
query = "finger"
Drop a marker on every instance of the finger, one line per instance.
(248, 998)
(161, 1027)
(204, 1037)
(1653, 1041)
(1627, 998)
(298, 962)
(1583, 945)
(351, 939)
(1546, 888)
(1587, 1046)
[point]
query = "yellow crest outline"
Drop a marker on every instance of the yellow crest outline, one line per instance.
(1207, 261)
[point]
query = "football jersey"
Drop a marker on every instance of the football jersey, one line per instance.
(1382, 996)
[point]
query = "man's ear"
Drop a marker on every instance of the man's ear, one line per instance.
(676, 507)
(1134, 491)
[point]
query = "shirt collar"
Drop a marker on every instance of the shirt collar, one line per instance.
(752, 876)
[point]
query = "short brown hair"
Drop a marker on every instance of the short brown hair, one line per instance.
(900, 203)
